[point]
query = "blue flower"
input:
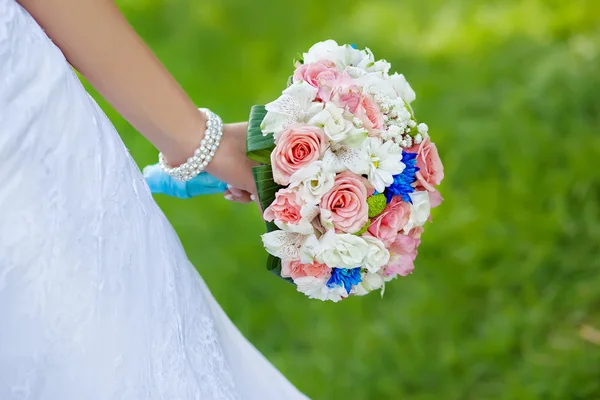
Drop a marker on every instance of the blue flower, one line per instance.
(344, 277)
(353, 46)
(402, 185)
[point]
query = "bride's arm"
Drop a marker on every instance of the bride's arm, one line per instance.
(97, 40)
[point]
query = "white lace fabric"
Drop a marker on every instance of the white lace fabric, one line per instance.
(97, 297)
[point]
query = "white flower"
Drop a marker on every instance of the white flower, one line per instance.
(342, 250)
(378, 85)
(423, 129)
(342, 56)
(316, 288)
(326, 220)
(402, 116)
(402, 87)
(332, 120)
(387, 88)
(283, 244)
(377, 255)
(295, 105)
(395, 132)
(355, 137)
(309, 249)
(379, 66)
(385, 161)
(419, 210)
(313, 181)
(369, 283)
(374, 66)
(308, 212)
(347, 158)
(355, 72)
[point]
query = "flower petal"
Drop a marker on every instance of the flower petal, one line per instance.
(283, 244)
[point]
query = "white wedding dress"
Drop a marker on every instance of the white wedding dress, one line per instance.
(98, 300)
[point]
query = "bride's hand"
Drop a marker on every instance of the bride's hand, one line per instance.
(224, 165)
(230, 163)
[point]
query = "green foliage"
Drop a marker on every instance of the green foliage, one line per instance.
(266, 188)
(508, 272)
(363, 229)
(258, 146)
(376, 204)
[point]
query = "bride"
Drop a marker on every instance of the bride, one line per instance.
(97, 297)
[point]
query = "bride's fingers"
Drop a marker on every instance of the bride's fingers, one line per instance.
(243, 198)
(235, 191)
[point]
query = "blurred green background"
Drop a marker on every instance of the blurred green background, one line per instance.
(505, 299)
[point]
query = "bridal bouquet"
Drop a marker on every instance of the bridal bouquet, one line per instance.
(347, 176)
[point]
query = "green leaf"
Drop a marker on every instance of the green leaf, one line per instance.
(258, 146)
(274, 266)
(299, 59)
(266, 189)
(409, 108)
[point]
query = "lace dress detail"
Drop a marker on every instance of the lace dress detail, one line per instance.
(97, 297)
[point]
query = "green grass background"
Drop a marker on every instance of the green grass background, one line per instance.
(509, 271)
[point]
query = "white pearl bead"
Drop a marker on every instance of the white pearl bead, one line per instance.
(202, 155)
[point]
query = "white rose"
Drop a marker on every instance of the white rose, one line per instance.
(313, 181)
(332, 120)
(369, 283)
(377, 255)
(419, 210)
(316, 288)
(342, 250)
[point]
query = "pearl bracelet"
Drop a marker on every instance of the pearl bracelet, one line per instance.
(202, 156)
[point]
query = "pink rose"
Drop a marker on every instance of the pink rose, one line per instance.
(392, 220)
(415, 233)
(370, 114)
(348, 96)
(295, 148)
(403, 252)
(360, 104)
(295, 269)
(285, 208)
(431, 170)
(435, 198)
(321, 74)
(347, 201)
